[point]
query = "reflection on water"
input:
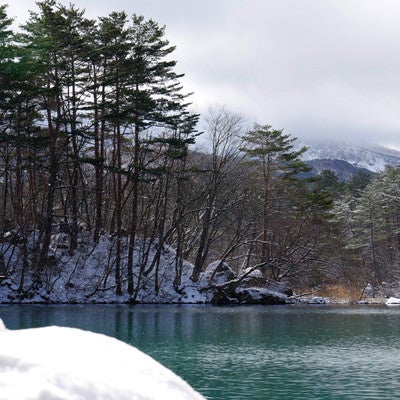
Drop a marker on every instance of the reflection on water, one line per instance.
(294, 352)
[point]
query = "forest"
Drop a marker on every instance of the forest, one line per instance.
(97, 140)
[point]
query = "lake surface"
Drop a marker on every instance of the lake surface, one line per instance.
(253, 352)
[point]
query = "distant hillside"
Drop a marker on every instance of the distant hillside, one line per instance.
(344, 170)
(373, 158)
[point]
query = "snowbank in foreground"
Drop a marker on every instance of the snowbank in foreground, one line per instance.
(56, 363)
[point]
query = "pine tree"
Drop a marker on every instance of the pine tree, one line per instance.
(83, 97)
(276, 162)
(8, 80)
(370, 224)
(154, 101)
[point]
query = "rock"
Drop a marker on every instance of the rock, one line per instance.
(218, 272)
(317, 300)
(225, 287)
(256, 295)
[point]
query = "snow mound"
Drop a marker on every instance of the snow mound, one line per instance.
(57, 363)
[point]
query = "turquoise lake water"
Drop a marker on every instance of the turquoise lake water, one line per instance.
(253, 352)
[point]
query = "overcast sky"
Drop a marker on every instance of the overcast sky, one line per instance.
(325, 69)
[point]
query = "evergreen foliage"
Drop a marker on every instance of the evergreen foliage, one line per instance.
(95, 135)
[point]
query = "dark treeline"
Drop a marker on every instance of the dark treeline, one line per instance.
(90, 111)
(95, 135)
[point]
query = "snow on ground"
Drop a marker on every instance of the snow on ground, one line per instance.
(56, 363)
(88, 276)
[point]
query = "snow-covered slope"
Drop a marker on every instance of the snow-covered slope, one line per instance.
(371, 157)
(88, 276)
(57, 363)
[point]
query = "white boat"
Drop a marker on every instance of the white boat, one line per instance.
(393, 301)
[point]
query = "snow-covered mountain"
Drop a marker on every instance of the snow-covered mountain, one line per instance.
(343, 169)
(371, 157)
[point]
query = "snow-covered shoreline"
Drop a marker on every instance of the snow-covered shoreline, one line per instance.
(87, 277)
